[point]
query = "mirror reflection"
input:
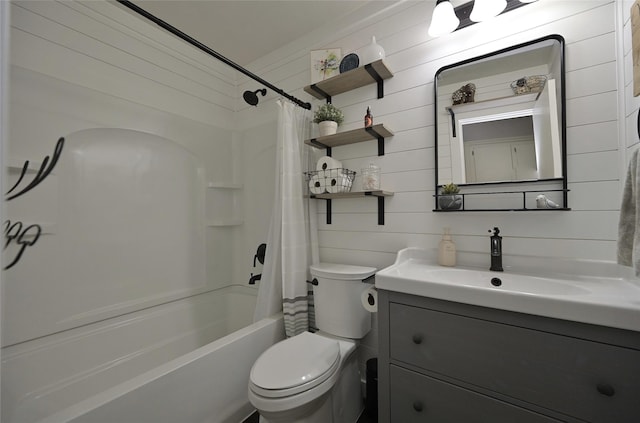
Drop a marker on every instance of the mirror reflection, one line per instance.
(500, 118)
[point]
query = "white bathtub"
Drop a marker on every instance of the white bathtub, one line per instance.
(186, 361)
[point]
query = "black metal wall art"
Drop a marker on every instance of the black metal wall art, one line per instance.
(43, 172)
(17, 232)
(23, 237)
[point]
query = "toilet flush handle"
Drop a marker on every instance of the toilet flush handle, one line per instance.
(313, 282)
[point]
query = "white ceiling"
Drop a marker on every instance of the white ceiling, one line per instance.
(245, 30)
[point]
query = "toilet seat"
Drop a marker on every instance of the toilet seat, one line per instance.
(295, 365)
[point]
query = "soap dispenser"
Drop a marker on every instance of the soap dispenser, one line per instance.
(446, 250)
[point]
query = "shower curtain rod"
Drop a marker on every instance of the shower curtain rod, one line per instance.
(206, 49)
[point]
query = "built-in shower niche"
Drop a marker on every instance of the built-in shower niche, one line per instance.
(224, 216)
(224, 204)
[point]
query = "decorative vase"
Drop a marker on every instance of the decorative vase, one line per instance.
(450, 201)
(371, 53)
(327, 127)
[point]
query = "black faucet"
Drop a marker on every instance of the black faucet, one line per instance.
(254, 278)
(496, 251)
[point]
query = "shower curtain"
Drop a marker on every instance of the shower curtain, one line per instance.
(292, 240)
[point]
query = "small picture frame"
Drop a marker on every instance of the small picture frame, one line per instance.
(325, 64)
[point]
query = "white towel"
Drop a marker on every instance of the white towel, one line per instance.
(628, 226)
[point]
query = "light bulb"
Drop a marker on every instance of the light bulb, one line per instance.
(444, 19)
(486, 9)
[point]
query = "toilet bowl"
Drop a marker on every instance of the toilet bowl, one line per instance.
(314, 377)
(292, 381)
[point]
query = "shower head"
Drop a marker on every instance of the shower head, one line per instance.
(251, 97)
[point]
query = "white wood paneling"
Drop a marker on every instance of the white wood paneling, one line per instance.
(54, 39)
(592, 115)
(632, 103)
(588, 138)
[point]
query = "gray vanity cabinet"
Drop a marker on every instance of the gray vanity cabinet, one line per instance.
(442, 361)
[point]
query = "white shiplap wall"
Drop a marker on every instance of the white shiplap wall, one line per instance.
(592, 114)
(631, 104)
(589, 231)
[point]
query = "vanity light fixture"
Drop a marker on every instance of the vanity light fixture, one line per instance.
(444, 19)
(486, 9)
(467, 14)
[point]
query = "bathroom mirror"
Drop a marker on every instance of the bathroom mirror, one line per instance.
(511, 128)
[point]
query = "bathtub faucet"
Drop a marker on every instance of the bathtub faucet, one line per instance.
(254, 278)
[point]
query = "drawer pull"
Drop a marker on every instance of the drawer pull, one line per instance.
(606, 389)
(417, 405)
(417, 339)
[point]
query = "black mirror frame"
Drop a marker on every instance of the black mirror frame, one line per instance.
(563, 114)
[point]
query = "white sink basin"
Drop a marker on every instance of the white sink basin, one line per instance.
(470, 278)
(608, 295)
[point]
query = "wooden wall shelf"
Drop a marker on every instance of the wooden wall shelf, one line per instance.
(353, 136)
(372, 73)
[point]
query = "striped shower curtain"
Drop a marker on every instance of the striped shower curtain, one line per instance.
(289, 243)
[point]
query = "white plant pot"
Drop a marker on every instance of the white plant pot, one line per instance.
(327, 127)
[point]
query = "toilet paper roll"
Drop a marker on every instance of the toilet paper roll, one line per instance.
(316, 184)
(369, 299)
(335, 184)
(327, 162)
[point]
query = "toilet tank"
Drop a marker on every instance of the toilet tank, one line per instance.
(336, 298)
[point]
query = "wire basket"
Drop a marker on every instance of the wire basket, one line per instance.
(330, 180)
(529, 84)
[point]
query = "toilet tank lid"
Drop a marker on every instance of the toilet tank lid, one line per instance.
(341, 271)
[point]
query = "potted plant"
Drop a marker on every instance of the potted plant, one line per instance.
(328, 117)
(448, 198)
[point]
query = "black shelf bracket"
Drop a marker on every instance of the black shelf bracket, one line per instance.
(320, 91)
(380, 207)
(318, 144)
(380, 138)
(366, 194)
(377, 78)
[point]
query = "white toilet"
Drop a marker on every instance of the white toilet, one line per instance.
(314, 377)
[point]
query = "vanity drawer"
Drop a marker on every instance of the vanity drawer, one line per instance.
(589, 380)
(419, 398)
